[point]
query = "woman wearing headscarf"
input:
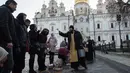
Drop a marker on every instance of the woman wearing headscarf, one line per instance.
(42, 38)
(19, 59)
(63, 51)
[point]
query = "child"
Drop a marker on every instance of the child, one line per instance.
(63, 51)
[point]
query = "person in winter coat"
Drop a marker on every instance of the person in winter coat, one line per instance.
(8, 38)
(42, 38)
(33, 36)
(19, 60)
(52, 42)
(90, 55)
(27, 22)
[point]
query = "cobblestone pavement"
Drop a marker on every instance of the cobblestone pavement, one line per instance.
(97, 67)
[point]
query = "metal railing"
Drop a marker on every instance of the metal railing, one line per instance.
(126, 46)
(106, 47)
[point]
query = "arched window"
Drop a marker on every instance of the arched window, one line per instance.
(112, 26)
(126, 24)
(99, 38)
(98, 26)
(127, 37)
(113, 38)
(81, 9)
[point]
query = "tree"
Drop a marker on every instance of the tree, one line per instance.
(124, 8)
(119, 7)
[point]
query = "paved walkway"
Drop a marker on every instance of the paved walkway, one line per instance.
(121, 54)
(117, 56)
(97, 67)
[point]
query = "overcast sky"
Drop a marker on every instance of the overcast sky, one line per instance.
(31, 6)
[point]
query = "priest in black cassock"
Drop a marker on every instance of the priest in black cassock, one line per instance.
(74, 45)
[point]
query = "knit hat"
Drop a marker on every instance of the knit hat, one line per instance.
(3, 53)
(71, 26)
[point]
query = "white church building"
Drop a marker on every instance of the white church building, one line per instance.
(100, 24)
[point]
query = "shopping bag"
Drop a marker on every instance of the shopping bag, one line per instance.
(81, 53)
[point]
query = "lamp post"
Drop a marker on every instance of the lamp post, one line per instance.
(119, 23)
(68, 20)
(73, 17)
(94, 27)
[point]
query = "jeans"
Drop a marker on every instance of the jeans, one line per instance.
(31, 62)
(51, 58)
(41, 59)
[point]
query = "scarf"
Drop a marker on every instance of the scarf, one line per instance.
(73, 51)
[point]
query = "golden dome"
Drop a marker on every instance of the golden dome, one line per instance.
(79, 1)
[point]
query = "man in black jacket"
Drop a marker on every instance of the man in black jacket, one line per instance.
(8, 38)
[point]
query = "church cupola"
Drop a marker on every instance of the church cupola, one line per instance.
(44, 6)
(81, 1)
(62, 9)
(81, 7)
(100, 7)
(62, 5)
(53, 8)
(43, 10)
(53, 3)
